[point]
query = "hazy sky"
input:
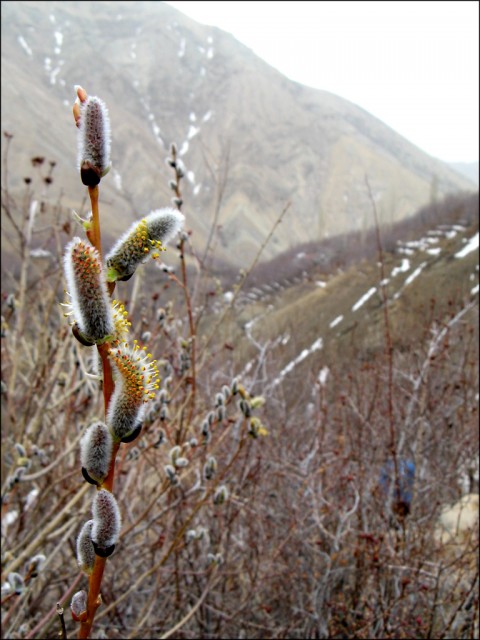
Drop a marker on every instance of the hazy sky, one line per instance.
(414, 65)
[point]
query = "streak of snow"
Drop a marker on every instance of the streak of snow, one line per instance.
(210, 53)
(192, 131)
(207, 116)
(31, 497)
(183, 43)
(52, 18)
(285, 339)
(405, 266)
(474, 290)
(117, 180)
(24, 45)
(184, 148)
(450, 234)
(406, 251)
(413, 275)
(323, 375)
(193, 117)
(363, 299)
(53, 75)
(10, 517)
(471, 245)
(202, 71)
(191, 176)
(315, 346)
(434, 251)
(40, 253)
(321, 284)
(58, 35)
(337, 320)
(196, 190)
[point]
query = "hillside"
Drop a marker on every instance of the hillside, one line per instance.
(290, 403)
(314, 314)
(468, 169)
(250, 139)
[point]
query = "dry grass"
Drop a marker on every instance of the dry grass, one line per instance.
(305, 546)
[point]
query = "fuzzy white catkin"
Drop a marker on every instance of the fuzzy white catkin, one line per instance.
(85, 550)
(16, 582)
(221, 494)
(134, 246)
(94, 139)
(106, 519)
(135, 372)
(79, 603)
(96, 451)
(91, 306)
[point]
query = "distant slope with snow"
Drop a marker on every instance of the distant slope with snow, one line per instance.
(308, 328)
(242, 129)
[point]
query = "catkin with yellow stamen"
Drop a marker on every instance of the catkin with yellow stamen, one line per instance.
(137, 379)
(142, 240)
(91, 307)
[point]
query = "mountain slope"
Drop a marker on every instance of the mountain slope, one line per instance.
(241, 127)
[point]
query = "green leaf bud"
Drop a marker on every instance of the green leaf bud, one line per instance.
(226, 392)
(221, 413)
(245, 408)
(174, 453)
(234, 386)
(257, 401)
(209, 468)
(220, 495)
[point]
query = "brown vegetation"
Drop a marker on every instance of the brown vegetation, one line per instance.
(305, 545)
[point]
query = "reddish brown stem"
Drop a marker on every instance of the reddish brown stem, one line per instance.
(95, 581)
(95, 228)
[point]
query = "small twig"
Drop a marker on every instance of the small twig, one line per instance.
(242, 282)
(193, 610)
(34, 633)
(62, 621)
